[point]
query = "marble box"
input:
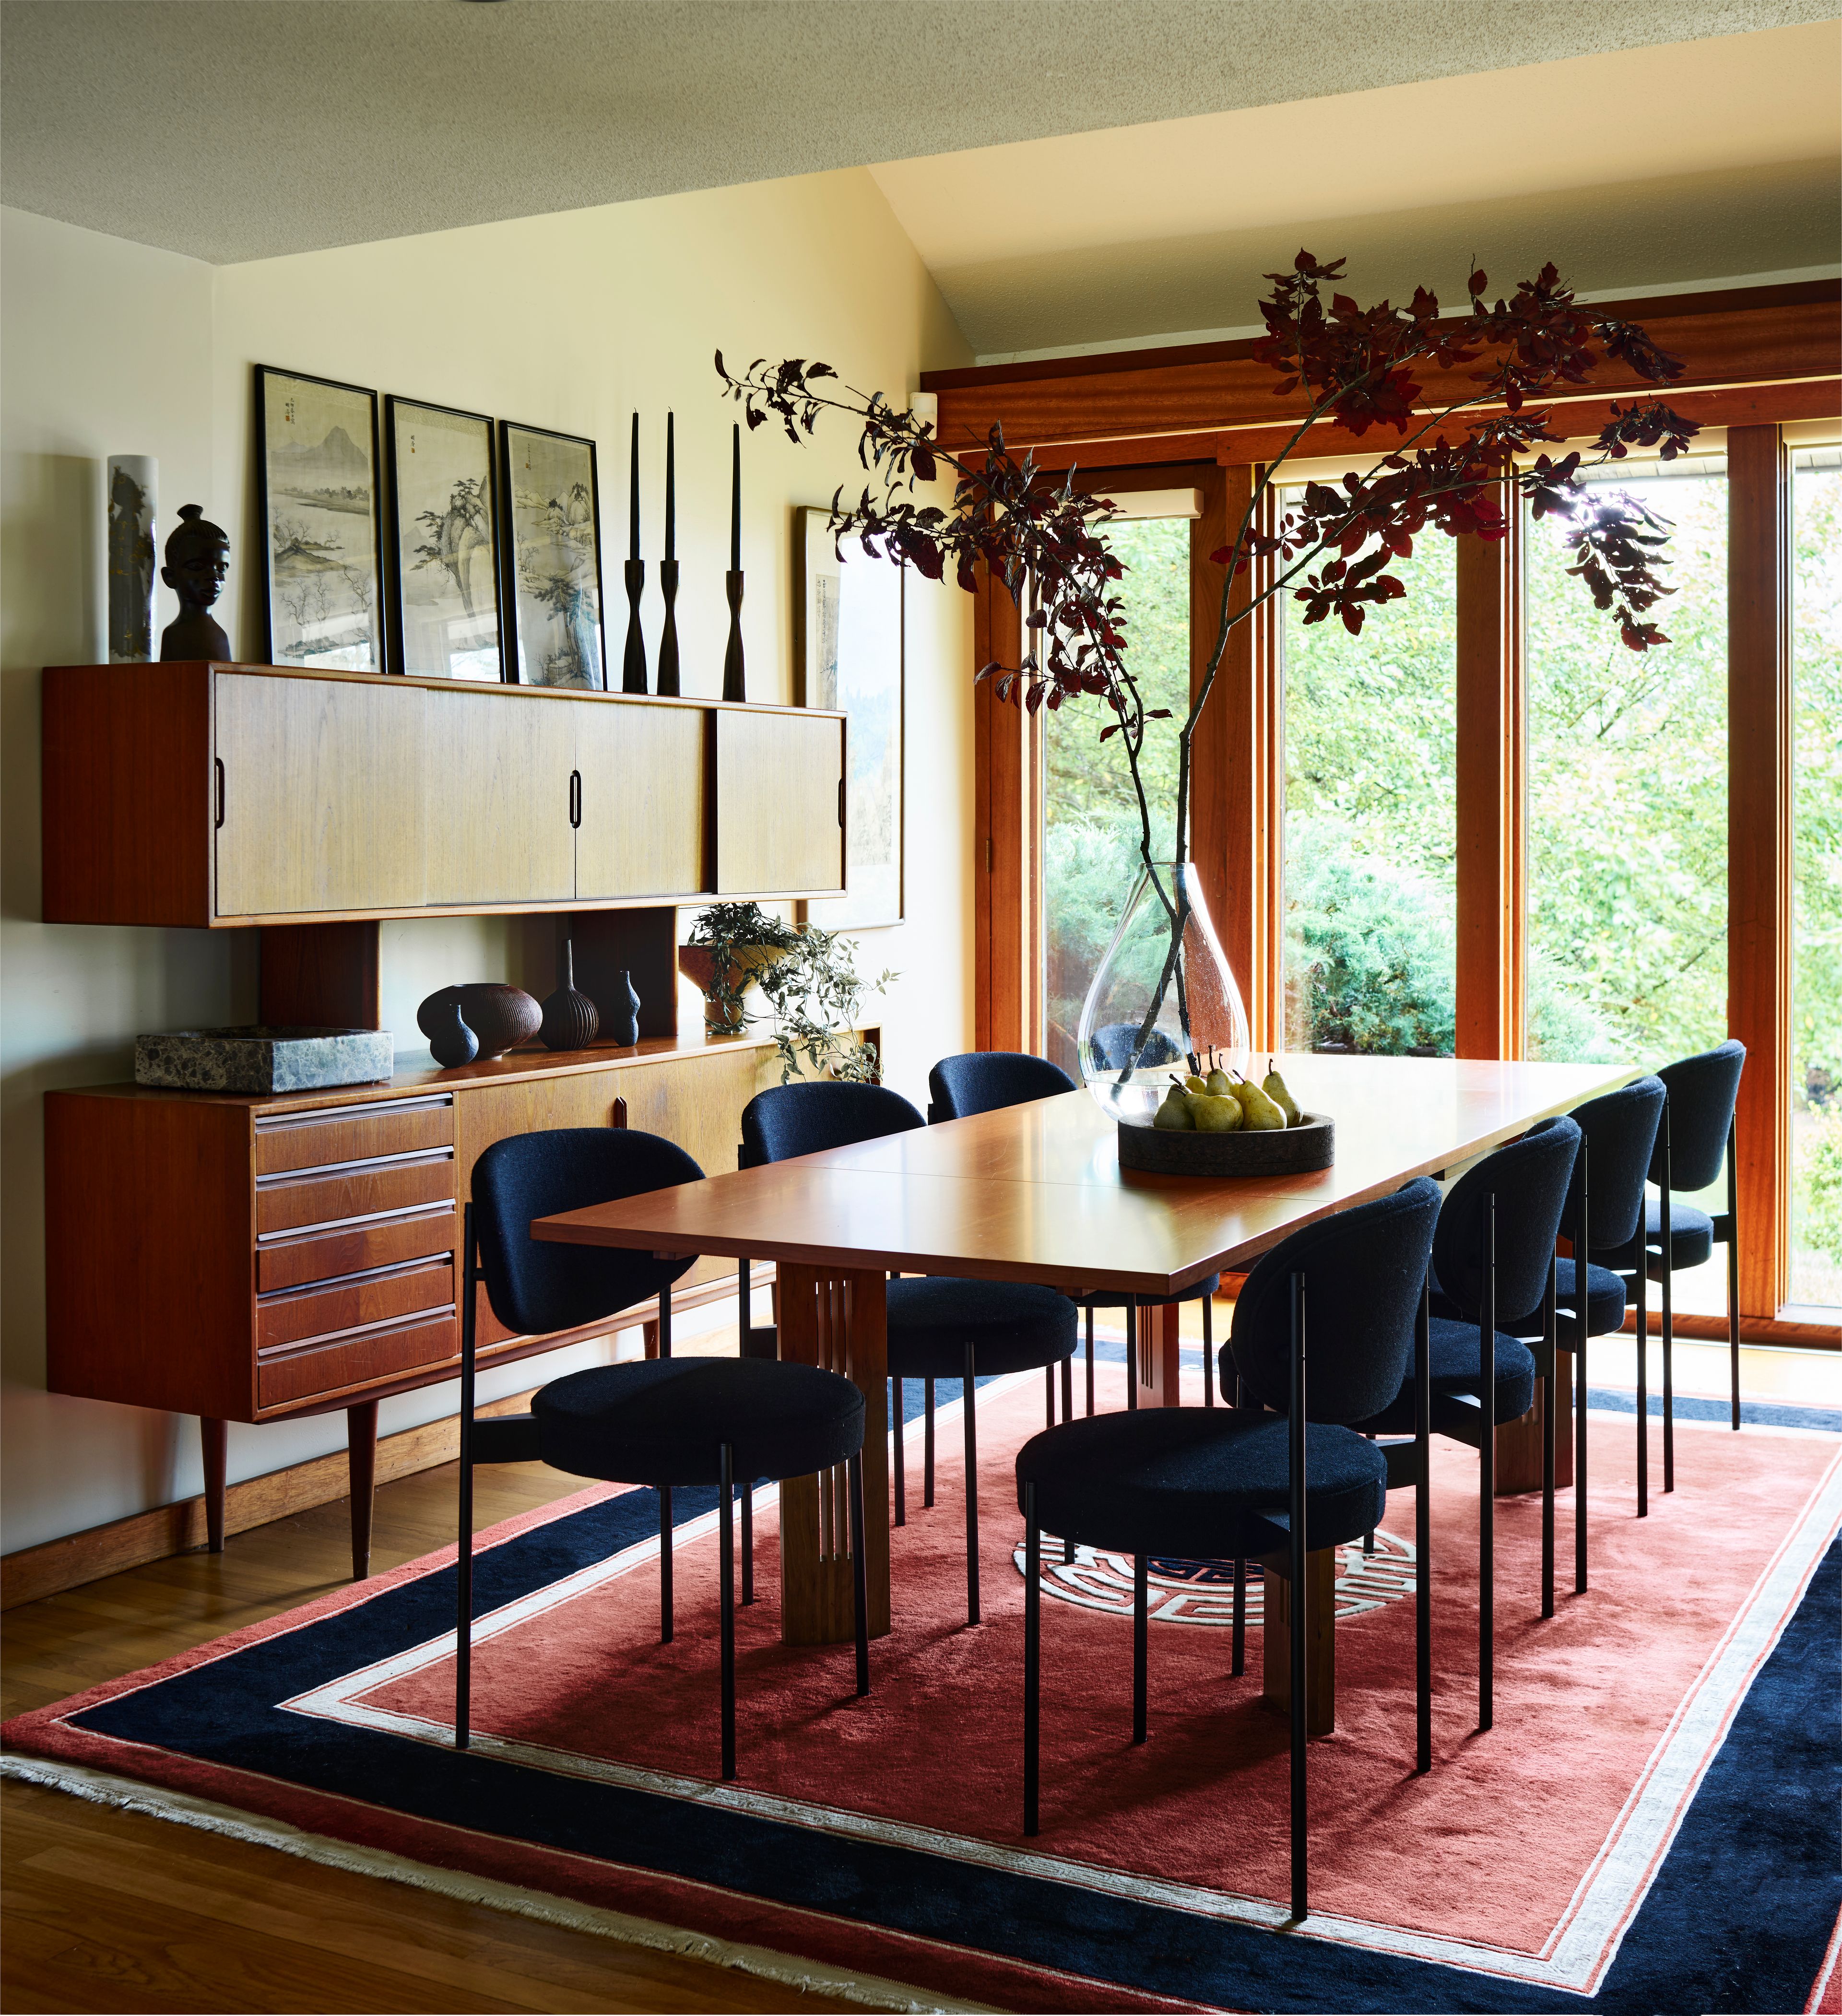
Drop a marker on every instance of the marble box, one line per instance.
(259, 1059)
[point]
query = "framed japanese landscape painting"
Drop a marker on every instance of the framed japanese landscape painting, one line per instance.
(444, 602)
(552, 509)
(316, 477)
(852, 658)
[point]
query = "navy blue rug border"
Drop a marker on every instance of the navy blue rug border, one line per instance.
(1739, 1916)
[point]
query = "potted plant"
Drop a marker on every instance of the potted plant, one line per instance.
(731, 945)
(817, 994)
(1164, 991)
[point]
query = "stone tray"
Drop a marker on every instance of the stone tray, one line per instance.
(260, 1060)
(1288, 1152)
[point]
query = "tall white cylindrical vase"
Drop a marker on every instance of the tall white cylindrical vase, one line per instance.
(131, 505)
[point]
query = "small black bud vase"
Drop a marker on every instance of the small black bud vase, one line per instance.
(450, 1041)
(624, 1013)
(571, 1019)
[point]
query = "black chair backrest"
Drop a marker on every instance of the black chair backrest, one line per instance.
(1703, 1092)
(982, 1081)
(536, 1286)
(1621, 1131)
(1364, 1269)
(1530, 1180)
(789, 1119)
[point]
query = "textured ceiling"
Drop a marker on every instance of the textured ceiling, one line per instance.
(237, 129)
(1649, 167)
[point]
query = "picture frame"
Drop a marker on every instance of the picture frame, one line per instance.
(316, 481)
(445, 618)
(853, 656)
(550, 516)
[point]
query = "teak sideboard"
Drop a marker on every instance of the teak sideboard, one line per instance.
(274, 1257)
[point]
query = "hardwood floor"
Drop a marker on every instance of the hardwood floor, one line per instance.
(106, 1910)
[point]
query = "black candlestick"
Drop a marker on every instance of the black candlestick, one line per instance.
(668, 569)
(633, 672)
(732, 669)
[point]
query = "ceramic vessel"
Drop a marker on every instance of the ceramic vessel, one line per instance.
(698, 965)
(450, 1041)
(622, 1022)
(571, 1019)
(1163, 993)
(501, 1017)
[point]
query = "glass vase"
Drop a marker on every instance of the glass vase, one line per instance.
(1163, 998)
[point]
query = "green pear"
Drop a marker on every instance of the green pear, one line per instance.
(1216, 1116)
(1219, 1084)
(1194, 1085)
(1262, 1113)
(1174, 1115)
(1275, 1089)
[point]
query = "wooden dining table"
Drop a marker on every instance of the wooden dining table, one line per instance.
(1035, 1193)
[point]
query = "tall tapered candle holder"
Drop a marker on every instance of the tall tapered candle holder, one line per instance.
(733, 683)
(633, 666)
(668, 569)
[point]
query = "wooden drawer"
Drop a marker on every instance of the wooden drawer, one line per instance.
(324, 1256)
(302, 1313)
(362, 1189)
(358, 1361)
(353, 1133)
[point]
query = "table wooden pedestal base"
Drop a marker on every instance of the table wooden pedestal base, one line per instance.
(1320, 1644)
(1519, 1443)
(839, 1320)
(1157, 1362)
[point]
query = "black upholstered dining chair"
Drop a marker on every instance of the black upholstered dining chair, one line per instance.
(1493, 1250)
(939, 1327)
(665, 1422)
(1326, 1331)
(1694, 1140)
(980, 1081)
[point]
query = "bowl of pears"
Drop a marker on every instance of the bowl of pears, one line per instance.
(1219, 1123)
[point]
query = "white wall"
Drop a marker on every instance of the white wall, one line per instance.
(569, 322)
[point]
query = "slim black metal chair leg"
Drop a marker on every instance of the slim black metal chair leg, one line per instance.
(1132, 1359)
(1550, 1407)
(1644, 1372)
(901, 1479)
(747, 1541)
(1141, 1635)
(463, 1559)
(1582, 1246)
(665, 1564)
(1369, 1543)
(1032, 1655)
(1238, 1664)
(1208, 1351)
(1423, 1530)
(744, 1308)
(1299, 1594)
(1068, 1387)
(1733, 1273)
(726, 1600)
(1049, 1396)
(1090, 1331)
(1487, 1475)
(664, 1323)
(860, 1578)
(927, 1444)
(972, 1492)
(1668, 1318)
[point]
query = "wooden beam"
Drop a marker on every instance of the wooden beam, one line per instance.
(1492, 810)
(1759, 849)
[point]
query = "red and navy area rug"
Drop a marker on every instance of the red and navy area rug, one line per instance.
(1651, 1824)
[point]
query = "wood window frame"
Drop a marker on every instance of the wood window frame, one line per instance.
(1754, 360)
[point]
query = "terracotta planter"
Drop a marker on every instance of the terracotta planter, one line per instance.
(698, 965)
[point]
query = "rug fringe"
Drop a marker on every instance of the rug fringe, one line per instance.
(131, 1795)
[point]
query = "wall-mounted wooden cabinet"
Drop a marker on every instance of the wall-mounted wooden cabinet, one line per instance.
(218, 795)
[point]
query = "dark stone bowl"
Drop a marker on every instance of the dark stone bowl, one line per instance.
(1289, 1151)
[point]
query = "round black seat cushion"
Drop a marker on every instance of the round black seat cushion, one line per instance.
(663, 1420)
(1455, 1369)
(1012, 1327)
(1605, 1305)
(1117, 1299)
(1691, 1237)
(1198, 1482)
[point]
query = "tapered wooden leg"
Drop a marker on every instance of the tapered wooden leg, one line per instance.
(839, 1320)
(1320, 1644)
(215, 1436)
(361, 1456)
(1156, 1339)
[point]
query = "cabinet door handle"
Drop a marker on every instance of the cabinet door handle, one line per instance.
(575, 797)
(840, 801)
(217, 764)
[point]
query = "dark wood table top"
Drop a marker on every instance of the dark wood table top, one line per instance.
(1035, 1193)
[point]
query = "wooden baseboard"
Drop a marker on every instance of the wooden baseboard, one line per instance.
(1753, 1330)
(174, 1529)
